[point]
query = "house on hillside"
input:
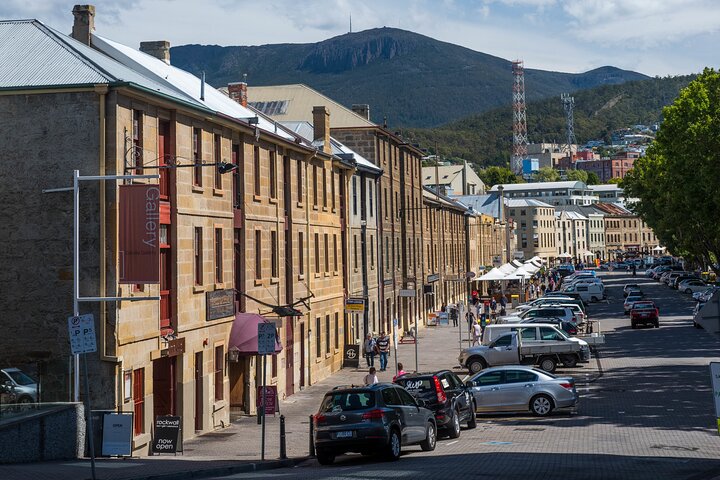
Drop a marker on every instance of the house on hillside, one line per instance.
(453, 180)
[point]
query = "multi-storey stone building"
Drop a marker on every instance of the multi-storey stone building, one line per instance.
(535, 228)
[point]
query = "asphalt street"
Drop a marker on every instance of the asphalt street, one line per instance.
(646, 411)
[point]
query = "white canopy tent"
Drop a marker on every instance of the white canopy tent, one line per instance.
(494, 274)
(565, 255)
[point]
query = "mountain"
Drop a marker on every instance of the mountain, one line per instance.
(486, 139)
(413, 80)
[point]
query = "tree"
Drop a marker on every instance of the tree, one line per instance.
(617, 181)
(577, 175)
(547, 174)
(496, 175)
(593, 179)
(676, 182)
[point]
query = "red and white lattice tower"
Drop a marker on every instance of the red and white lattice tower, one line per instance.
(520, 139)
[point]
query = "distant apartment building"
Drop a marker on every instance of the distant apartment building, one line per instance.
(552, 193)
(549, 154)
(625, 232)
(571, 230)
(453, 180)
(608, 168)
(535, 222)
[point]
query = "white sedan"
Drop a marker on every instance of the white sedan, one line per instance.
(692, 286)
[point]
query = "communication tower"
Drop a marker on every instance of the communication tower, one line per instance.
(520, 139)
(569, 105)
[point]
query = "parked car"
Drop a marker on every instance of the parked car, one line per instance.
(568, 327)
(629, 300)
(692, 285)
(519, 389)
(446, 395)
(705, 295)
(667, 280)
(628, 287)
(574, 295)
(25, 388)
(643, 313)
(569, 313)
(376, 419)
(565, 269)
(688, 276)
(541, 301)
(588, 292)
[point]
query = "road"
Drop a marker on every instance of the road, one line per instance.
(646, 412)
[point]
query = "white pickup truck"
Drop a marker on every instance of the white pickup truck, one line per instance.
(509, 349)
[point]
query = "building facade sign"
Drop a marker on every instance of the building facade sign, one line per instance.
(139, 234)
(220, 304)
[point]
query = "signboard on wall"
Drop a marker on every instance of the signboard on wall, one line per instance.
(219, 304)
(355, 305)
(271, 404)
(139, 234)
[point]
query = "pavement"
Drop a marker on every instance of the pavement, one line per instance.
(646, 412)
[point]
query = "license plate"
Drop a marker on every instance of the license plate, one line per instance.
(347, 434)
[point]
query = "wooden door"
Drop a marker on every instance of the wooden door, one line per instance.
(198, 390)
(164, 386)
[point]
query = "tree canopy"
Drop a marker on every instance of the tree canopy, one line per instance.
(496, 175)
(677, 182)
(547, 174)
(577, 175)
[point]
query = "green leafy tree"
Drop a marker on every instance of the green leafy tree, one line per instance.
(617, 181)
(592, 178)
(495, 175)
(577, 175)
(676, 183)
(547, 174)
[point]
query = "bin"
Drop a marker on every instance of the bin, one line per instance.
(515, 300)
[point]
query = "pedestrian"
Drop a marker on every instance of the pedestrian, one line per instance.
(369, 347)
(454, 316)
(542, 289)
(383, 348)
(493, 305)
(502, 311)
(503, 302)
(477, 333)
(371, 377)
(400, 372)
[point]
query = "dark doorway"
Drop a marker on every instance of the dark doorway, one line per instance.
(238, 373)
(164, 386)
(198, 391)
(302, 354)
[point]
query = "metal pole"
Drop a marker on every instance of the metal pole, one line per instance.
(283, 449)
(461, 320)
(89, 417)
(76, 276)
(395, 345)
(262, 447)
(417, 368)
(311, 444)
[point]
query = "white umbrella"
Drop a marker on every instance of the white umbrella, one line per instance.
(507, 268)
(518, 274)
(564, 255)
(658, 249)
(494, 274)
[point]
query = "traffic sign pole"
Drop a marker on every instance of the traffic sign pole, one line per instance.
(262, 447)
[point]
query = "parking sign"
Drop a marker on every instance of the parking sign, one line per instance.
(82, 334)
(266, 338)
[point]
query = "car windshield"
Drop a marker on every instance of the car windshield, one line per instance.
(346, 401)
(632, 299)
(417, 385)
(640, 306)
(20, 378)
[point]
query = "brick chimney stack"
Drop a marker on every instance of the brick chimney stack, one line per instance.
(321, 125)
(362, 109)
(159, 49)
(84, 23)
(238, 92)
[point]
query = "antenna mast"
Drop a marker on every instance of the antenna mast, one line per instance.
(520, 139)
(569, 105)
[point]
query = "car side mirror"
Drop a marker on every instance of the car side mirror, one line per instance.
(469, 384)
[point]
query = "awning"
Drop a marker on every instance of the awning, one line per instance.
(244, 333)
(494, 274)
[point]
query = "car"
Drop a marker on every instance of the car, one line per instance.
(667, 280)
(516, 388)
(375, 419)
(621, 266)
(446, 395)
(705, 295)
(628, 287)
(574, 295)
(570, 313)
(629, 300)
(692, 285)
(24, 387)
(588, 292)
(568, 327)
(542, 301)
(686, 276)
(644, 313)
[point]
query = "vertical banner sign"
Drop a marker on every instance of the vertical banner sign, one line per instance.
(715, 374)
(139, 234)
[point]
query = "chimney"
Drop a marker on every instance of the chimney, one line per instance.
(84, 23)
(238, 92)
(362, 109)
(321, 125)
(159, 50)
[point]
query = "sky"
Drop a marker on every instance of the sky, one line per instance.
(654, 37)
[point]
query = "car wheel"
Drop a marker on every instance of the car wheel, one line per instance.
(548, 364)
(394, 446)
(569, 361)
(472, 421)
(657, 324)
(25, 400)
(475, 365)
(454, 426)
(696, 325)
(541, 405)
(325, 457)
(688, 291)
(594, 299)
(428, 445)
(633, 325)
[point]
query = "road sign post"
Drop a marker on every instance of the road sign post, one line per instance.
(267, 336)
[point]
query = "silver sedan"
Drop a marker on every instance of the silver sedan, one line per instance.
(515, 388)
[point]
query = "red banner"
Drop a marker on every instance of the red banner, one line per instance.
(139, 234)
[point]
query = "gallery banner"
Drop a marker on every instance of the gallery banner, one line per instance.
(139, 232)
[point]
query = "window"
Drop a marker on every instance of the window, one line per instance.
(370, 189)
(273, 174)
(332, 188)
(315, 186)
(354, 194)
(387, 254)
(337, 330)
(386, 202)
(335, 253)
(490, 378)
(217, 158)
(327, 333)
(301, 254)
(197, 157)
(318, 338)
(139, 401)
(197, 247)
(137, 140)
(274, 254)
(372, 251)
(317, 253)
(519, 376)
(325, 189)
(299, 179)
(219, 362)
(256, 169)
(258, 255)
(390, 396)
(327, 252)
(218, 256)
(355, 252)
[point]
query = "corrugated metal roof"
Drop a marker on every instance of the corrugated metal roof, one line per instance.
(512, 187)
(32, 55)
(526, 202)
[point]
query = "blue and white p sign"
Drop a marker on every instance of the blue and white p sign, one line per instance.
(81, 330)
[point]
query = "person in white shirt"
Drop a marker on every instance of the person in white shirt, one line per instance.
(476, 333)
(371, 377)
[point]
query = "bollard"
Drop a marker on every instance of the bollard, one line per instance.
(311, 445)
(283, 448)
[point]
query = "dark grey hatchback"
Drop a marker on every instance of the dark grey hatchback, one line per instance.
(375, 419)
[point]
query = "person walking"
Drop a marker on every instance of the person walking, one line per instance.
(371, 377)
(454, 315)
(401, 371)
(369, 347)
(476, 333)
(383, 348)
